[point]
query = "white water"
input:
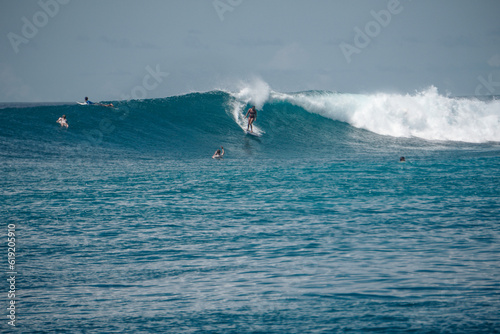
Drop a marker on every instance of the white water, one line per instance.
(426, 114)
(256, 93)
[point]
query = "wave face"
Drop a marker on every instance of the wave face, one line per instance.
(313, 122)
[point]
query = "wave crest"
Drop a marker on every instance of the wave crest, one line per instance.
(426, 114)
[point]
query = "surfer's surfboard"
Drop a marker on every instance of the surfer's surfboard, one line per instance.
(96, 104)
(255, 134)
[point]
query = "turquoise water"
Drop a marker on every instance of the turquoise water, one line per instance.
(124, 223)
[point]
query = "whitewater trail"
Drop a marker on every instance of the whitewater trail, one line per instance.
(256, 93)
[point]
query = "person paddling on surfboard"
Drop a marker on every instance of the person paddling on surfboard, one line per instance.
(252, 116)
(218, 153)
(87, 101)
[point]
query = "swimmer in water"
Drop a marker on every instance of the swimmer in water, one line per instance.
(218, 153)
(62, 120)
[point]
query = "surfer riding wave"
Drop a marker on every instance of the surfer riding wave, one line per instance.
(252, 116)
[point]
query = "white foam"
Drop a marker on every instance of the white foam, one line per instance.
(256, 92)
(426, 114)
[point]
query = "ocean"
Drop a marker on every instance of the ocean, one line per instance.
(123, 222)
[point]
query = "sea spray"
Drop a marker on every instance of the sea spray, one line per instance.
(426, 114)
(255, 93)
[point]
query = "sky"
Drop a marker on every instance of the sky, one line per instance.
(64, 50)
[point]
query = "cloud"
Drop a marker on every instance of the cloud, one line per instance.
(459, 41)
(82, 38)
(289, 57)
(193, 40)
(255, 43)
(494, 61)
(125, 43)
(12, 86)
(122, 43)
(147, 46)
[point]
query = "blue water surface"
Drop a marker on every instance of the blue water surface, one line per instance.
(337, 238)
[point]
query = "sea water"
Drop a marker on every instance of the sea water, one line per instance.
(124, 223)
